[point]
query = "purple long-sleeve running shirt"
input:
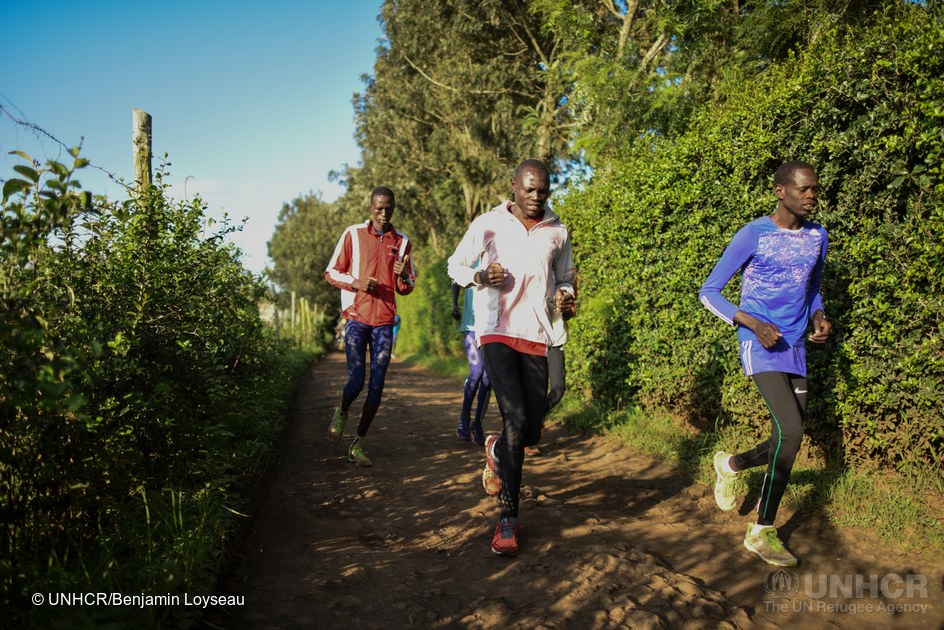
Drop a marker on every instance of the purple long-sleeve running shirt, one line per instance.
(781, 271)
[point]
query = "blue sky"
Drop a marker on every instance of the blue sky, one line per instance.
(253, 100)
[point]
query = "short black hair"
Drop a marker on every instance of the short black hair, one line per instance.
(787, 171)
(536, 165)
(382, 191)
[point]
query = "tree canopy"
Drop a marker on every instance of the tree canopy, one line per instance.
(459, 96)
(631, 67)
(463, 90)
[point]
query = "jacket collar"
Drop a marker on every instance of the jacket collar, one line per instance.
(549, 215)
(373, 232)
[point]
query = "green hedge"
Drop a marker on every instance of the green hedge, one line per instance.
(868, 113)
(426, 323)
(133, 395)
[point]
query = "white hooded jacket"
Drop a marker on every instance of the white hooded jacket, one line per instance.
(521, 308)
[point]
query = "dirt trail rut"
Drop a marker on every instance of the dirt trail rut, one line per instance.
(609, 538)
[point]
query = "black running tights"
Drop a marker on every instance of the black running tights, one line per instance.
(785, 395)
(520, 385)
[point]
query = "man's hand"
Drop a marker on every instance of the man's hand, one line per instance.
(767, 334)
(564, 302)
(401, 266)
(365, 285)
(456, 315)
(821, 328)
(493, 276)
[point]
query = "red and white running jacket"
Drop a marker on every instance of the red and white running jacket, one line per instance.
(363, 252)
(537, 263)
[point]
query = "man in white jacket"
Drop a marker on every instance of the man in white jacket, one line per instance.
(526, 273)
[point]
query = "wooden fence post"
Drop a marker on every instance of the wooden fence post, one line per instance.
(302, 311)
(293, 312)
(141, 139)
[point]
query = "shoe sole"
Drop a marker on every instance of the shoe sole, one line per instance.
(504, 553)
(369, 464)
(485, 478)
(487, 473)
(720, 477)
(772, 562)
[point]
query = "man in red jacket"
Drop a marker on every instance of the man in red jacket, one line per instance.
(371, 264)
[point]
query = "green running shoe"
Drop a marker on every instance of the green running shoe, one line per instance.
(724, 486)
(336, 428)
(356, 454)
(766, 545)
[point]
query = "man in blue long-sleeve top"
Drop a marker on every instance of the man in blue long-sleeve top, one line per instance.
(781, 259)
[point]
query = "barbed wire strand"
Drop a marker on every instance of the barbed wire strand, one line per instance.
(39, 131)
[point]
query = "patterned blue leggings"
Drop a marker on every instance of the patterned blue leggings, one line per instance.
(477, 381)
(357, 339)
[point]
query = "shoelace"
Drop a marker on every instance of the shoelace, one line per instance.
(507, 530)
(774, 542)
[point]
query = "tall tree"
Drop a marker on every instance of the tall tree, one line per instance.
(457, 98)
(302, 245)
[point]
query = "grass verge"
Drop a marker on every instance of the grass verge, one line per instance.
(907, 516)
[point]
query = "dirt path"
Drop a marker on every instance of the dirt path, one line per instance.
(609, 538)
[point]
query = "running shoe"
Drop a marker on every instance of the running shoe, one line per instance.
(478, 435)
(463, 430)
(724, 486)
(356, 454)
(336, 428)
(531, 451)
(505, 540)
(766, 545)
(490, 475)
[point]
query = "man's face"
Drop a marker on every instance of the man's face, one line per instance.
(799, 196)
(381, 211)
(531, 189)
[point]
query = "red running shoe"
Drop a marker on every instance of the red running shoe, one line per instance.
(505, 541)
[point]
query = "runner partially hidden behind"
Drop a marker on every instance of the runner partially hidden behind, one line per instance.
(555, 365)
(371, 264)
(477, 381)
(527, 269)
(781, 258)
